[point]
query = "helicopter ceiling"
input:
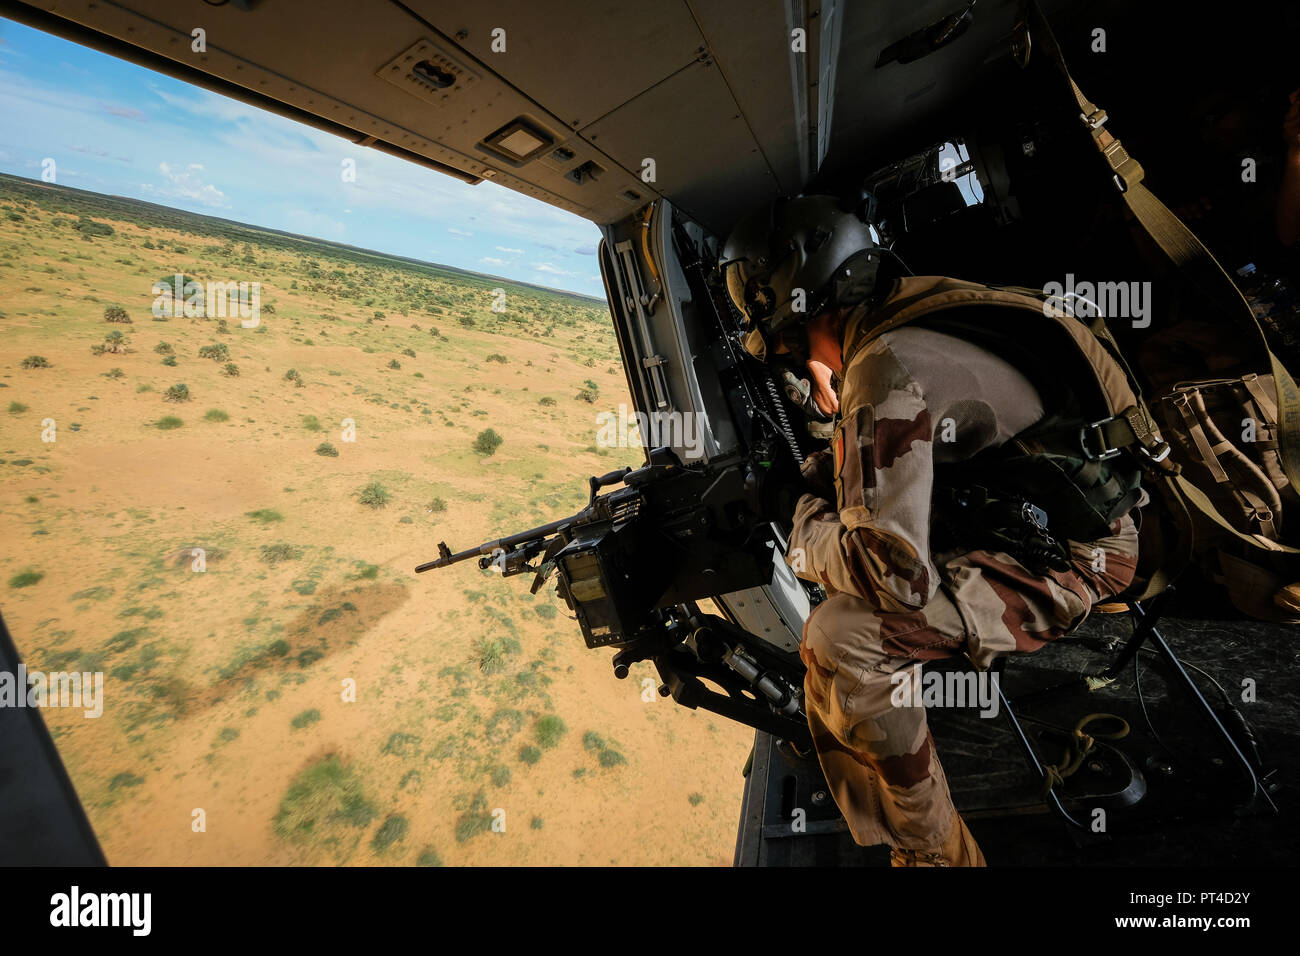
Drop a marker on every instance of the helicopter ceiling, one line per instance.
(594, 106)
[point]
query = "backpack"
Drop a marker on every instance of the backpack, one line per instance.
(1234, 462)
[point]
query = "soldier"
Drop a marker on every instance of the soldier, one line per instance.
(913, 403)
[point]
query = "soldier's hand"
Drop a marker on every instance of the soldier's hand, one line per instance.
(823, 392)
(818, 471)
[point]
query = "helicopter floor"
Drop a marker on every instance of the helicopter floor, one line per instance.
(1184, 805)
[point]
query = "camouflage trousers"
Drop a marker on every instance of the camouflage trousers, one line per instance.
(879, 759)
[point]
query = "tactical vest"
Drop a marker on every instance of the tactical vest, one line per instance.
(1083, 462)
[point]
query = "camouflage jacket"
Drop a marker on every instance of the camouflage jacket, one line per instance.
(911, 398)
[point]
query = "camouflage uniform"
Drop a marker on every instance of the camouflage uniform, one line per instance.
(892, 604)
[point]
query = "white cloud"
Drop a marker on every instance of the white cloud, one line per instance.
(518, 252)
(493, 261)
(458, 232)
(552, 269)
(183, 182)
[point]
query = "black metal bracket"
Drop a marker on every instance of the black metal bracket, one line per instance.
(1145, 632)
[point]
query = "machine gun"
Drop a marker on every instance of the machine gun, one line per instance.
(632, 564)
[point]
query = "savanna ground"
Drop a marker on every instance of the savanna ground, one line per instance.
(224, 687)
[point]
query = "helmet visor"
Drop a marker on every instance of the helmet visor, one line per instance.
(757, 292)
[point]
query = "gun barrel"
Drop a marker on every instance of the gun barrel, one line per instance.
(508, 543)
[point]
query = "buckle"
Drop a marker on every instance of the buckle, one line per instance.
(1095, 119)
(1161, 453)
(1105, 452)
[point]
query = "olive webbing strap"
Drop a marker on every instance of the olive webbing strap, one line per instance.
(1193, 262)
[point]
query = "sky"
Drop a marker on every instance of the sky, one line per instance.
(117, 128)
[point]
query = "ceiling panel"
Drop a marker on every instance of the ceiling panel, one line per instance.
(580, 60)
(705, 156)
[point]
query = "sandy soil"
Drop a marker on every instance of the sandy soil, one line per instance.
(224, 688)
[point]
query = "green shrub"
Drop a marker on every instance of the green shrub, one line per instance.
(390, 831)
(170, 361)
(549, 730)
(168, 423)
(25, 579)
(311, 423)
(327, 450)
(163, 348)
(374, 495)
(487, 442)
(115, 313)
(497, 357)
(215, 415)
(273, 554)
(437, 505)
(529, 754)
(218, 352)
(305, 719)
(293, 376)
(231, 369)
(177, 393)
(35, 361)
(265, 515)
(17, 408)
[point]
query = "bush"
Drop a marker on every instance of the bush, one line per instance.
(218, 353)
(115, 313)
(114, 342)
(293, 376)
(17, 408)
(35, 361)
(497, 357)
(409, 353)
(273, 554)
(216, 415)
(549, 730)
(530, 755)
(170, 361)
(390, 831)
(487, 442)
(25, 579)
(115, 373)
(546, 400)
(163, 348)
(305, 719)
(168, 423)
(466, 321)
(177, 393)
(88, 228)
(437, 505)
(394, 364)
(374, 495)
(327, 450)
(311, 423)
(230, 369)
